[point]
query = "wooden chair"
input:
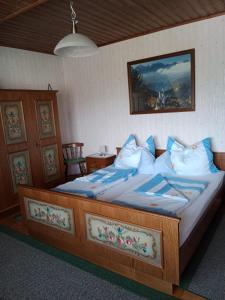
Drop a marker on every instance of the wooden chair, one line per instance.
(73, 155)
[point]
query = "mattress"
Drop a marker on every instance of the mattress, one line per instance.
(191, 214)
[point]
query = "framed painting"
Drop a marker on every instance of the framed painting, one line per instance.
(163, 83)
(45, 118)
(50, 162)
(20, 169)
(13, 122)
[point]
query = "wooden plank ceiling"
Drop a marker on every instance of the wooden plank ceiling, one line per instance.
(38, 25)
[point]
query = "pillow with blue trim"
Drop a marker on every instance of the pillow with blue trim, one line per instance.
(147, 160)
(163, 164)
(129, 156)
(193, 160)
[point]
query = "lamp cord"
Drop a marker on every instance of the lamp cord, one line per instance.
(73, 17)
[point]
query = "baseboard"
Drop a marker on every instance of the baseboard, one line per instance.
(9, 211)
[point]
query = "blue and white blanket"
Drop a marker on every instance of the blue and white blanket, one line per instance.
(173, 187)
(91, 185)
(166, 195)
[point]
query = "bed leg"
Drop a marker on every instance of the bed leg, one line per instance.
(180, 293)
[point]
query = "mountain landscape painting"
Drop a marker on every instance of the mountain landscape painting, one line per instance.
(162, 84)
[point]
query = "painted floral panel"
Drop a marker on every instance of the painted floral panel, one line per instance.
(13, 122)
(137, 241)
(49, 214)
(50, 162)
(45, 117)
(20, 168)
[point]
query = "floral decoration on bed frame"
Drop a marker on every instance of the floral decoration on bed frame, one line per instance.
(137, 241)
(51, 215)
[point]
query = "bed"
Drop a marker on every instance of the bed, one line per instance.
(154, 253)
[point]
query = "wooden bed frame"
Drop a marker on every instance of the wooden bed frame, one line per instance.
(140, 245)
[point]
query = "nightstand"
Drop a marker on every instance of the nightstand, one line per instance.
(97, 161)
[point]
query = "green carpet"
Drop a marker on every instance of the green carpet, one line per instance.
(113, 277)
(89, 267)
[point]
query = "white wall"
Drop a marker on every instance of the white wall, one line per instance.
(98, 102)
(93, 92)
(21, 69)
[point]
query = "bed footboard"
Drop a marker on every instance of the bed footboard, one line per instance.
(142, 246)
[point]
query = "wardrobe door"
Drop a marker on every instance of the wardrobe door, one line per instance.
(30, 143)
(15, 167)
(48, 141)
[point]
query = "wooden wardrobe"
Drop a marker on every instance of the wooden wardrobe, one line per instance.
(30, 143)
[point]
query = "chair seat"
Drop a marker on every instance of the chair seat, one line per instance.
(74, 160)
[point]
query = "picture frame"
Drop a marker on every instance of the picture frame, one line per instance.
(19, 163)
(162, 84)
(13, 122)
(50, 162)
(45, 118)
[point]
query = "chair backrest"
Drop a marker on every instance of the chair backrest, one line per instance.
(72, 150)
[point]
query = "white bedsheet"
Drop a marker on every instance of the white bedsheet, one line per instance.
(191, 214)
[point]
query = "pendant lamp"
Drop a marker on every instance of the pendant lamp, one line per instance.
(75, 44)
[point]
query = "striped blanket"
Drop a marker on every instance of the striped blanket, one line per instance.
(173, 187)
(108, 175)
(91, 185)
(165, 195)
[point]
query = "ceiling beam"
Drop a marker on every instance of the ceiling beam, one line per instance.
(22, 10)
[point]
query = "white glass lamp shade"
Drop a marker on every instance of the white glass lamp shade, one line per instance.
(75, 45)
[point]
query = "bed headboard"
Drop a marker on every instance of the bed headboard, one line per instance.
(219, 157)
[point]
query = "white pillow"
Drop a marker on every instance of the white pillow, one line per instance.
(193, 160)
(129, 156)
(163, 164)
(147, 157)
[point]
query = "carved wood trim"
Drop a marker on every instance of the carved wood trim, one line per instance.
(22, 10)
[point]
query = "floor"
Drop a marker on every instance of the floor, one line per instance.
(16, 223)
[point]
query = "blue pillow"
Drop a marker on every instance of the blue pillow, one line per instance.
(193, 160)
(129, 156)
